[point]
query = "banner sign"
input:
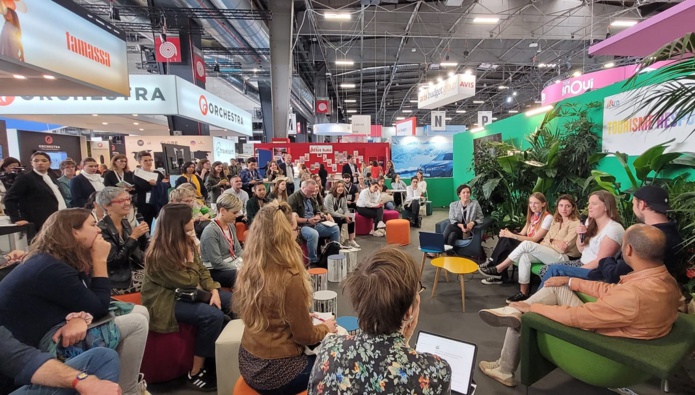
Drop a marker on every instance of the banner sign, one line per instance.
(223, 149)
(362, 124)
(454, 88)
(406, 127)
(320, 149)
(292, 124)
(484, 118)
(626, 127)
(199, 65)
(169, 50)
(200, 105)
(63, 38)
(323, 106)
(438, 120)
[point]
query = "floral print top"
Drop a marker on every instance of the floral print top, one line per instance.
(376, 364)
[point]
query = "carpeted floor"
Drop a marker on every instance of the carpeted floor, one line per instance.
(442, 314)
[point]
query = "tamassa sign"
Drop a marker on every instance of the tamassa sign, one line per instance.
(454, 88)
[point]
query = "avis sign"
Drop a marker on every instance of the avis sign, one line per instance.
(320, 149)
(454, 88)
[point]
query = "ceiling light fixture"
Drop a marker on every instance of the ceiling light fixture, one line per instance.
(623, 23)
(557, 81)
(513, 111)
(609, 65)
(350, 101)
(577, 73)
(104, 123)
(135, 115)
(49, 77)
(451, 74)
(347, 86)
(95, 115)
(413, 101)
(448, 118)
(334, 16)
(476, 130)
(344, 63)
(141, 129)
(407, 111)
(539, 110)
(439, 79)
(449, 64)
(509, 99)
(460, 111)
(486, 20)
(478, 102)
(351, 111)
(514, 93)
(502, 87)
(400, 118)
(135, 123)
(19, 76)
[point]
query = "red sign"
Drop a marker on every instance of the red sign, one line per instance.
(198, 65)
(203, 104)
(323, 106)
(48, 140)
(169, 50)
(6, 100)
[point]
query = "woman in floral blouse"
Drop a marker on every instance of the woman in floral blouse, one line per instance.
(385, 292)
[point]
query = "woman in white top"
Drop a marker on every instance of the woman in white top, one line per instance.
(368, 205)
(538, 223)
(422, 184)
(558, 245)
(336, 205)
(600, 238)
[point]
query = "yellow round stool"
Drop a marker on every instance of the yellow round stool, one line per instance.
(458, 266)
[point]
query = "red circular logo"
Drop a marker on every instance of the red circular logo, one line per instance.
(200, 68)
(323, 106)
(49, 140)
(203, 103)
(6, 100)
(100, 145)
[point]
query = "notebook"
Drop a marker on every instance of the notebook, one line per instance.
(459, 354)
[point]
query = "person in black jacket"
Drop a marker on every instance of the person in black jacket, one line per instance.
(146, 191)
(188, 176)
(323, 174)
(35, 195)
(351, 168)
(119, 173)
(126, 259)
(88, 182)
(257, 202)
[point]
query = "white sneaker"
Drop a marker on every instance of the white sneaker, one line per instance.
(378, 233)
(353, 244)
(142, 385)
(503, 316)
(381, 225)
(495, 373)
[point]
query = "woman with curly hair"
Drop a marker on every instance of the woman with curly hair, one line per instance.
(272, 296)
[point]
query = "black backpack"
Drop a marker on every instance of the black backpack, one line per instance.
(332, 248)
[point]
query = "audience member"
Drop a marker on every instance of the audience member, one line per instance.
(310, 218)
(220, 249)
(386, 195)
(361, 184)
(97, 210)
(422, 184)
(650, 205)
(287, 167)
(250, 176)
(601, 238)
(201, 213)
(352, 192)
(152, 195)
(172, 261)
(119, 174)
(188, 176)
(413, 199)
(234, 168)
(390, 171)
(336, 205)
(398, 184)
(203, 169)
(385, 292)
(9, 262)
(323, 176)
(351, 169)
(216, 183)
(88, 182)
(643, 305)
(237, 191)
(67, 169)
(303, 171)
(538, 223)
(464, 214)
(319, 193)
(35, 195)
(558, 245)
(9, 169)
(257, 202)
(64, 272)
(280, 190)
(272, 296)
(273, 171)
(369, 205)
(126, 259)
(95, 371)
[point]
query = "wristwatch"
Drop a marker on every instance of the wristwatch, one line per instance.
(81, 376)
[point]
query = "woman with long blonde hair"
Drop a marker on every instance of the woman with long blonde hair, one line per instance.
(272, 295)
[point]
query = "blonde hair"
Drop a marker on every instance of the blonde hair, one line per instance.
(271, 251)
(229, 202)
(179, 194)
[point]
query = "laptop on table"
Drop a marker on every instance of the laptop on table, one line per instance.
(459, 354)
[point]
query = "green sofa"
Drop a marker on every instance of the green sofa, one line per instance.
(599, 360)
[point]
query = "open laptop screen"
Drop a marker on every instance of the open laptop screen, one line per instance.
(459, 354)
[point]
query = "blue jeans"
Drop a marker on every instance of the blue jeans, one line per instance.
(389, 206)
(564, 270)
(101, 362)
(208, 319)
(311, 235)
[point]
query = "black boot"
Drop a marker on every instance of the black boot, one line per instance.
(418, 222)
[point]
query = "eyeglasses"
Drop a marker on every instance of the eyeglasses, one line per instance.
(422, 288)
(121, 201)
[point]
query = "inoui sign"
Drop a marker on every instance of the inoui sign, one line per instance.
(454, 88)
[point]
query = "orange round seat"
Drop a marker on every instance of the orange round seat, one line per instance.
(398, 232)
(241, 388)
(241, 231)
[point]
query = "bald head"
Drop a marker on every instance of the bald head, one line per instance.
(644, 242)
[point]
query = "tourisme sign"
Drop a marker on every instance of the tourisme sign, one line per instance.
(63, 38)
(454, 88)
(627, 127)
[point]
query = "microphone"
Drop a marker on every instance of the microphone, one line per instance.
(140, 218)
(582, 219)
